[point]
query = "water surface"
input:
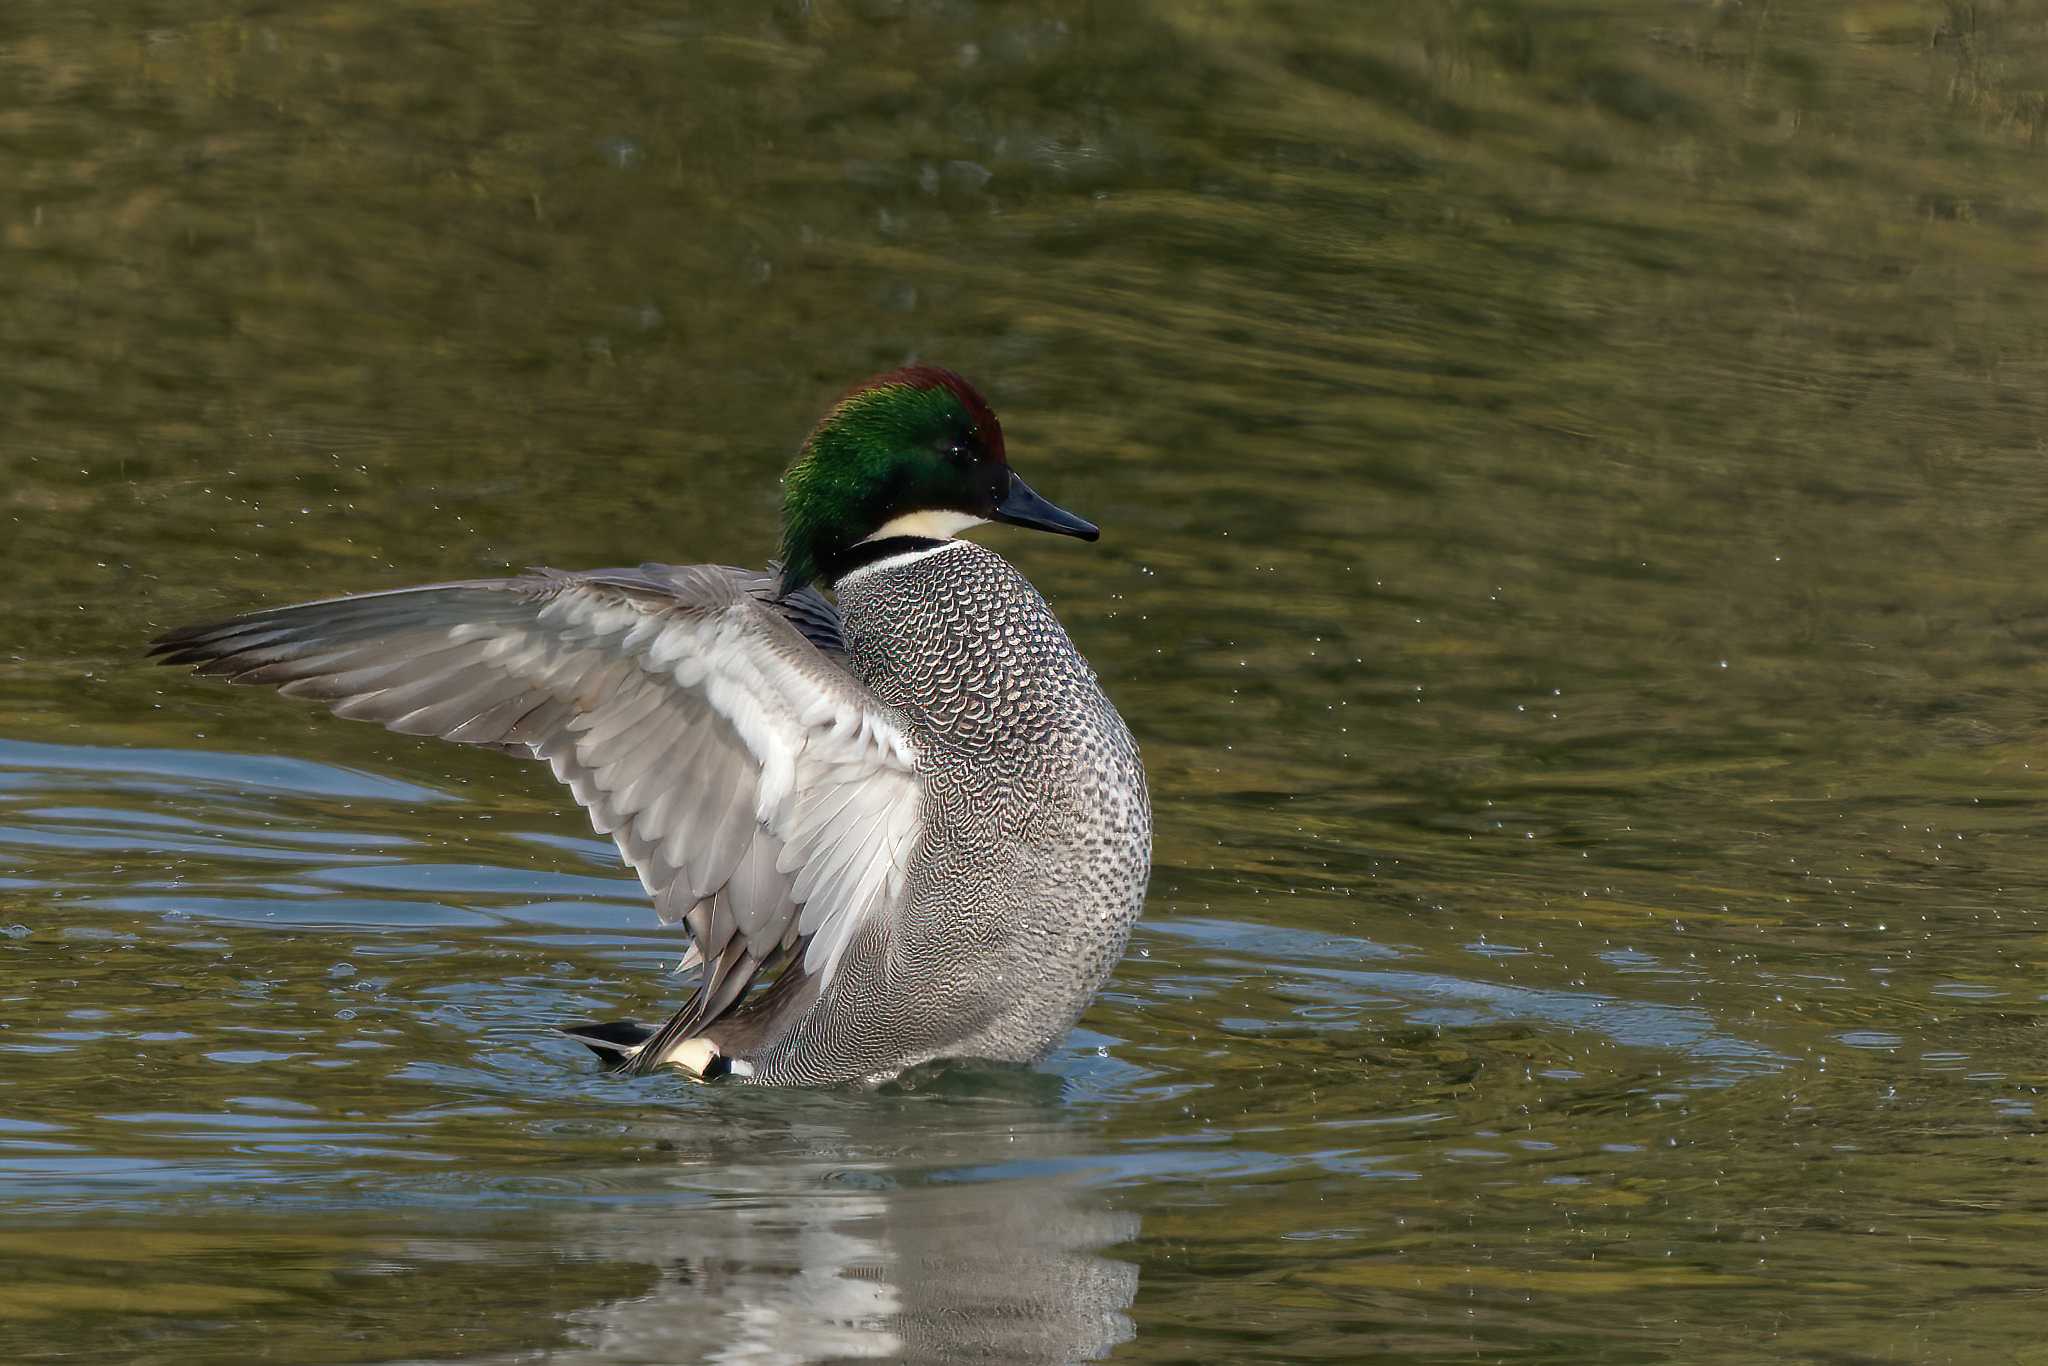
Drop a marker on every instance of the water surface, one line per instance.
(1572, 489)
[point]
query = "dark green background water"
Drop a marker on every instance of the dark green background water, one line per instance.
(1573, 488)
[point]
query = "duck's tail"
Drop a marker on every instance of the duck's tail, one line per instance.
(618, 1045)
(615, 1042)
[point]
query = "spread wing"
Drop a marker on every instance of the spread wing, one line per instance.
(767, 800)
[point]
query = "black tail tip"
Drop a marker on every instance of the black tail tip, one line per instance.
(613, 1041)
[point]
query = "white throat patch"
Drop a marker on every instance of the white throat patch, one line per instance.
(937, 524)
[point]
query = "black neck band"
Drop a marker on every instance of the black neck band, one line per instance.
(865, 553)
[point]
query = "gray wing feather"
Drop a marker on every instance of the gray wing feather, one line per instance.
(765, 798)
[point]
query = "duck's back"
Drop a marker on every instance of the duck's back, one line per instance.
(1020, 899)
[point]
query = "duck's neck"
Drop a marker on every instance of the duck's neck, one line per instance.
(909, 536)
(875, 551)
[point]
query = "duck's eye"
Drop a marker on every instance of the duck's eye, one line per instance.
(955, 449)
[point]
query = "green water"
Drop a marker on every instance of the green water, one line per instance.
(1572, 479)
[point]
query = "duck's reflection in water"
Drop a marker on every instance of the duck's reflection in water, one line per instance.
(925, 1241)
(846, 1267)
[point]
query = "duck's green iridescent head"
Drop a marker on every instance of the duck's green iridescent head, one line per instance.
(915, 452)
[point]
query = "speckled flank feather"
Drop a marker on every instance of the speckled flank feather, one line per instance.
(1038, 837)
